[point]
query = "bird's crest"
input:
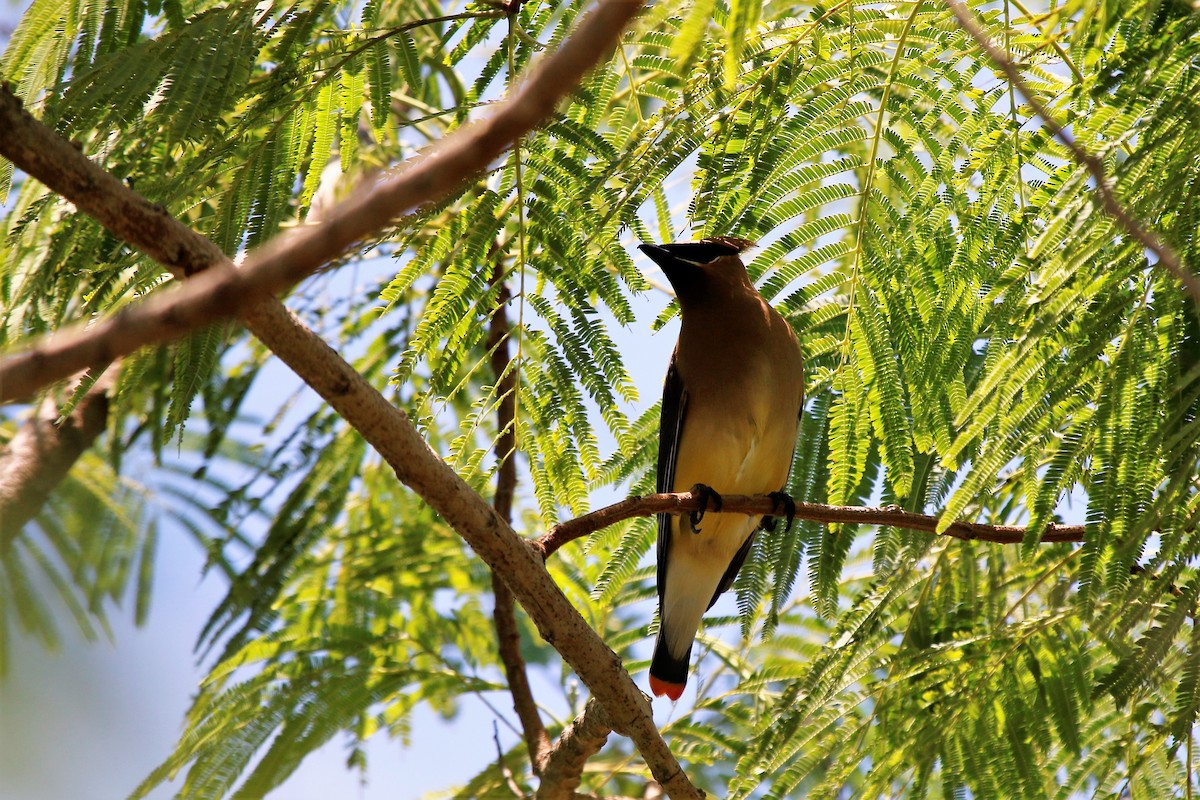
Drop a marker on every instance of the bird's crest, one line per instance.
(735, 244)
(704, 251)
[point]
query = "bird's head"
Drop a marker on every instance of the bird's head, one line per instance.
(701, 269)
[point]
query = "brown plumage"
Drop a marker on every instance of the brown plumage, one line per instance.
(731, 407)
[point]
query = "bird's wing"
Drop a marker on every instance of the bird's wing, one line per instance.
(739, 558)
(674, 407)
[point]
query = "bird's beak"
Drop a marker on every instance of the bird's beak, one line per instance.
(661, 256)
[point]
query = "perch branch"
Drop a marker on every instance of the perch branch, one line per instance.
(1167, 257)
(292, 256)
(894, 516)
(384, 426)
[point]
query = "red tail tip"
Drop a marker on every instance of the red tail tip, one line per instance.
(660, 687)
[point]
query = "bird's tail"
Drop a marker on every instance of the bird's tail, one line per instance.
(668, 674)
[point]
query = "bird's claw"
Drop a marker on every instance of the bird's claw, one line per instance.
(781, 500)
(707, 496)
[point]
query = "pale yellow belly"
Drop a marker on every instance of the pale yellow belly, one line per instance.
(732, 456)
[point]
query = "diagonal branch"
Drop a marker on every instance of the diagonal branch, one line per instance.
(290, 257)
(894, 516)
(384, 426)
(1092, 163)
(44, 449)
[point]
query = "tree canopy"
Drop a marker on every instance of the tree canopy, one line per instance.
(983, 223)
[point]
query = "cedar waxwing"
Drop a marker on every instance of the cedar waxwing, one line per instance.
(730, 413)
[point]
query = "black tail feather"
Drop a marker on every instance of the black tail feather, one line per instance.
(667, 667)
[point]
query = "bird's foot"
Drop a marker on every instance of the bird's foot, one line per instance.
(782, 500)
(707, 497)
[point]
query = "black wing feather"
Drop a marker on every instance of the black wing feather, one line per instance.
(670, 425)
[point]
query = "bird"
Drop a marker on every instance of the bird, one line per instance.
(731, 407)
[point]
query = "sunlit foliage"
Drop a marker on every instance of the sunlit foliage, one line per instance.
(981, 339)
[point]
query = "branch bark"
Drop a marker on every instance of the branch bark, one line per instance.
(43, 450)
(578, 742)
(45, 156)
(1167, 257)
(894, 516)
(290, 257)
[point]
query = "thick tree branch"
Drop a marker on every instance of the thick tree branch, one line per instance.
(384, 426)
(1167, 257)
(578, 742)
(894, 516)
(292, 256)
(43, 450)
(504, 616)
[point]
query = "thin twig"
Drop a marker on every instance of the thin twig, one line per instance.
(894, 516)
(504, 616)
(509, 778)
(1166, 256)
